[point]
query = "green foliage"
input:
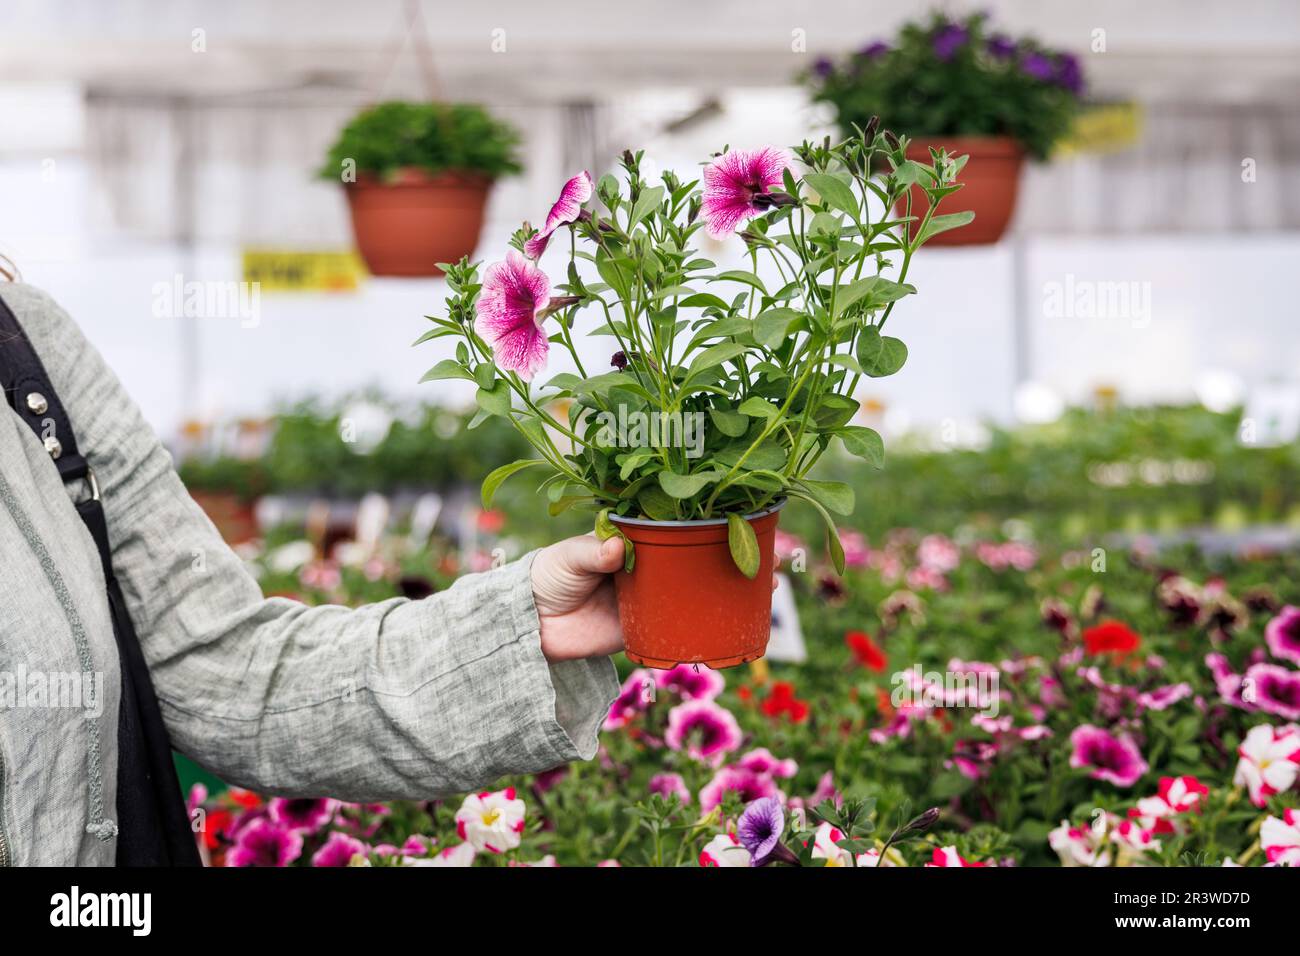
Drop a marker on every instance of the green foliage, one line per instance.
(937, 80)
(434, 137)
(768, 372)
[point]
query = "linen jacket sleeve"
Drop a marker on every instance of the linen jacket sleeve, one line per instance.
(396, 700)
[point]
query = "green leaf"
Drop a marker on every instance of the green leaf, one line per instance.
(756, 407)
(686, 486)
(714, 355)
(495, 400)
(834, 192)
(656, 504)
(739, 275)
(880, 355)
(447, 368)
(743, 544)
(485, 375)
(770, 327)
(938, 224)
(606, 529)
(863, 442)
(646, 203)
(835, 495)
(498, 475)
(832, 533)
(731, 424)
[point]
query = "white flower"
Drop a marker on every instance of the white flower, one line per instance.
(491, 821)
(724, 850)
(462, 854)
(1280, 838)
(1082, 846)
(1270, 760)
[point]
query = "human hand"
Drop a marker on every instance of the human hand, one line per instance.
(575, 597)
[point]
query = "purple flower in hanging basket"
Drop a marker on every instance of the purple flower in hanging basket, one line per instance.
(1037, 66)
(948, 41)
(1069, 74)
(874, 50)
(1000, 46)
(760, 829)
(265, 844)
(823, 67)
(566, 209)
(511, 309)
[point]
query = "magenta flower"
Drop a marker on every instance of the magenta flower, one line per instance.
(668, 784)
(511, 308)
(1111, 758)
(1228, 681)
(338, 850)
(704, 730)
(1283, 634)
(265, 844)
(304, 816)
(692, 682)
(744, 783)
(760, 760)
(566, 209)
(737, 187)
(633, 699)
(1162, 697)
(1273, 689)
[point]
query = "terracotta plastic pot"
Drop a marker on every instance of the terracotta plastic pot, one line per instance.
(992, 181)
(406, 225)
(686, 602)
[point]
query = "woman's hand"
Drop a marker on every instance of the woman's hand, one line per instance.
(575, 597)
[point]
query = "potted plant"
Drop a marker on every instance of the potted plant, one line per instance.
(417, 177)
(964, 88)
(725, 386)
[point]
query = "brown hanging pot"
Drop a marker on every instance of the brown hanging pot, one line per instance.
(991, 183)
(406, 224)
(686, 602)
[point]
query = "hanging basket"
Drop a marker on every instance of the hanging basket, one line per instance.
(408, 223)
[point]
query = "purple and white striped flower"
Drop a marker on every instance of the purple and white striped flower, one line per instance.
(511, 308)
(738, 186)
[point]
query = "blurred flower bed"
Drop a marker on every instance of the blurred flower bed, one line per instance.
(1071, 704)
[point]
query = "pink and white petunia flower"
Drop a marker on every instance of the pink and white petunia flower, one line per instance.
(948, 856)
(1282, 634)
(633, 698)
(1280, 838)
(724, 850)
(1161, 698)
(1109, 757)
(692, 682)
(746, 784)
(1158, 815)
(738, 186)
(669, 784)
(825, 847)
(760, 760)
(460, 855)
(566, 209)
(1132, 837)
(705, 731)
(1273, 689)
(511, 308)
(491, 821)
(339, 850)
(1270, 761)
(1082, 846)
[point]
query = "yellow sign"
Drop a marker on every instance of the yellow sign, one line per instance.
(1103, 128)
(287, 270)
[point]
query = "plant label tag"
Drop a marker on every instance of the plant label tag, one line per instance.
(786, 642)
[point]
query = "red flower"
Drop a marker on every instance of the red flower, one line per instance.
(214, 825)
(244, 798)
(782, 702)
(1111, 637)
(866, 651)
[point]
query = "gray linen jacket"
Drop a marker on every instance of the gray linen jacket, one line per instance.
(401, 699)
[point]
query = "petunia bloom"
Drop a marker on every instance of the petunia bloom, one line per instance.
(746, 784)
(339, 850)
(1082, 846)
(948, 856)
(633, 699)
(760, 760)
(705, 731)
(1280, 838)
(1112, 758)
(511, 308)
(669, 784)
(760, 829)
(1270, 761)
(566, 209)
(1282, 634)
(738, 186)
(305, 816)
(724, 850)
(491, 821)
(692, 681)
(1273, 689)
(264, 843)
(866, 651)
(460, 855)
(1111, 637)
